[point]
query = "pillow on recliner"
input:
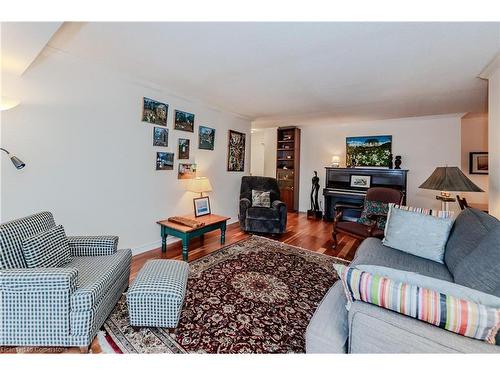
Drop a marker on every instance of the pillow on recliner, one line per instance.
(47, 249)
(261, 198)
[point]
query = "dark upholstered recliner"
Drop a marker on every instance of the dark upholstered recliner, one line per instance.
(261, 219)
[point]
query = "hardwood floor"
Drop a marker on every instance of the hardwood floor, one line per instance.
(315, 235)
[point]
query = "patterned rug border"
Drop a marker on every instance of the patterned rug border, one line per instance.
(196, 269)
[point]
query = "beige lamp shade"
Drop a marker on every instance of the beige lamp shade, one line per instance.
(199, 185)
(8, 103)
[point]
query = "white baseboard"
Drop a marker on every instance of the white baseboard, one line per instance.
(156, 244)
(152, 245)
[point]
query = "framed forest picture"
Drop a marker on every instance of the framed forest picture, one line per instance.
(236, 151)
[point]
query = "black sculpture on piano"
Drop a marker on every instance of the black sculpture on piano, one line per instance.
(338, 187)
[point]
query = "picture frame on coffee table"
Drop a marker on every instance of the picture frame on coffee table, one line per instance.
(201, 206)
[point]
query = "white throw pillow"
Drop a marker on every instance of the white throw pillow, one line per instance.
(417, 233)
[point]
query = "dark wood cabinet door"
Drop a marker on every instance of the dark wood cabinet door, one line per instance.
(287, 197)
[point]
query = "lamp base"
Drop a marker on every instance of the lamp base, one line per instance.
(445, 201)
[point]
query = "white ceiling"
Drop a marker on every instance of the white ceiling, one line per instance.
(293, 73)
(21, 43)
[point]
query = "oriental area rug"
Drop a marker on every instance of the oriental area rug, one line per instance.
(255, 296)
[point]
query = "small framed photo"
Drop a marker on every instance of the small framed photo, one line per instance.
(184, 121)
(183, 148)
(154, 112)
(206, 139)
(201, 206)
(478, 163)
(164, 161)
(360, 181)
(160, 137)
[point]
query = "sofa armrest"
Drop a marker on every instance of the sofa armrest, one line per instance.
(38, 279)
(92, 245)
(35, 306)
(373, 329)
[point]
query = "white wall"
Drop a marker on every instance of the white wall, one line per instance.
(90, 159)
(423, 142)
(264, 152)
(474, 134)
(494, 140)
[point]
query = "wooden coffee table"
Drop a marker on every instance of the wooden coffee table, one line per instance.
(185, 233)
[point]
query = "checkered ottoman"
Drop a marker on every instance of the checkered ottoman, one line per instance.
(156, 295)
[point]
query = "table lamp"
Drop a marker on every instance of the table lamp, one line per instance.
(199, 185)
(335, 161)
(448, 179)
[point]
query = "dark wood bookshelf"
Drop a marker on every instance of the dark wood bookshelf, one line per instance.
(288, 165)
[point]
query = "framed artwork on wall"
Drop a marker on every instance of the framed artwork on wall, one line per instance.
(164, 161)
(478, 163)
(236, 151)
(370, 151)
(206, 138)
(186, 171)
(183, 148)
(160, 136)
(154, 112)
(201, 206)
(184, 121)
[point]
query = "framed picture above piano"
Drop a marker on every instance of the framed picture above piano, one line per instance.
(369, 151)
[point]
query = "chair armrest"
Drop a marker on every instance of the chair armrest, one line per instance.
(277, 204)
(81, 246)
(245, 204)
(38, 279)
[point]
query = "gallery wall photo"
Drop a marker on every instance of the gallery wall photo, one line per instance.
(236, 151)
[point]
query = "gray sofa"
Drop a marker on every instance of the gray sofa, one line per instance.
(472, 259)
(58, 306)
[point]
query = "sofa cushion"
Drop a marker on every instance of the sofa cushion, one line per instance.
(96, 275)
(359, 229)
(372, 251)
(473, 320)
(470, 227)
(417, 233)
(49, 248)
(262, 213)
(481, 269)
(13, 233)
(327, 331)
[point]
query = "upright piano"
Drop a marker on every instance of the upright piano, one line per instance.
(338, 187)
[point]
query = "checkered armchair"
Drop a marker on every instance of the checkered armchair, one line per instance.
(63, 306)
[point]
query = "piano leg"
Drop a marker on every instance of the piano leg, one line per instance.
(334, 236)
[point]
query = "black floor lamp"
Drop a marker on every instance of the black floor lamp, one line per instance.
(18, 163)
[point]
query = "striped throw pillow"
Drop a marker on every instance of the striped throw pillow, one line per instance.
(47, 249)
(425, 211)
(451, 313)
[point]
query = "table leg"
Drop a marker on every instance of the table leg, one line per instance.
(163, 241)
(223, 233)
(185, 246)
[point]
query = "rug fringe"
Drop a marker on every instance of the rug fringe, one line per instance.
(106, 348)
